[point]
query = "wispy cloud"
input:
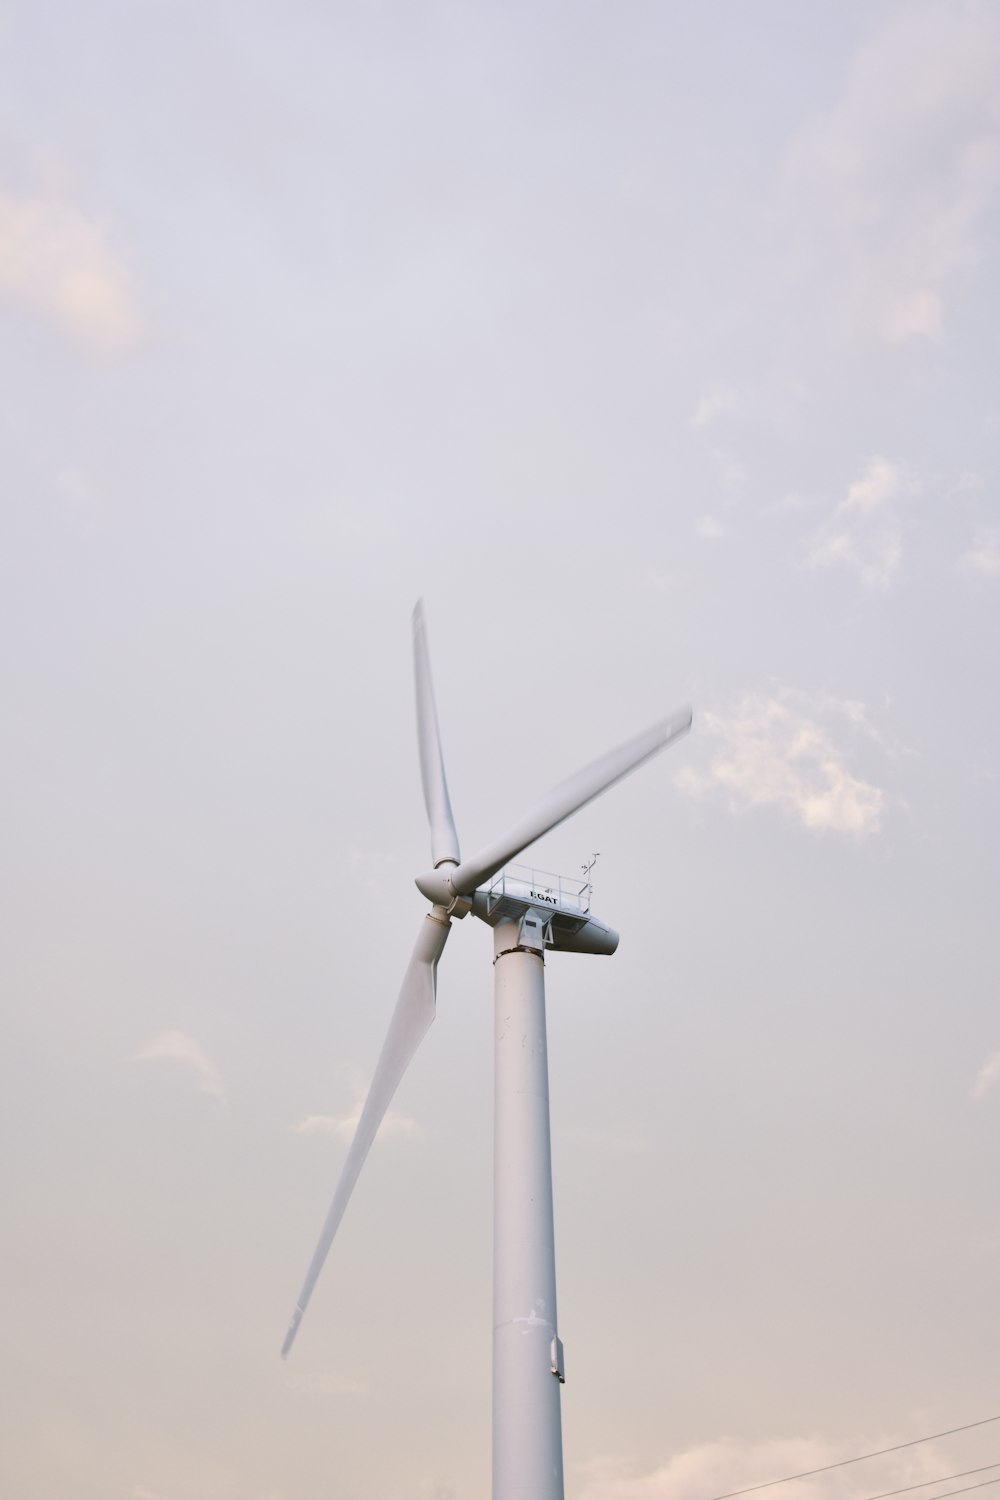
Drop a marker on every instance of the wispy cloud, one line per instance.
(711, 530)
(984, 556)
(715, 1468)
(863, 532)
(344, 1126)
(177, 1046)
(58, 263)
(894, 187)
(779, 751)
(988, 1075)
(710, 407)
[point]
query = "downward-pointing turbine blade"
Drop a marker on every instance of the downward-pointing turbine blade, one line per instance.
(409, 1025)
(444, 836)
(568, 798)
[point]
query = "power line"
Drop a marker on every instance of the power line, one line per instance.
(965, 1487)
(943, 1479)
(843, 1462)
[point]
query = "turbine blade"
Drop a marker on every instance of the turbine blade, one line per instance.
(444, 835)
(409, 1025)
(568, 798)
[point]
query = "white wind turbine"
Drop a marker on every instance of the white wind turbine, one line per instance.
(527, 916)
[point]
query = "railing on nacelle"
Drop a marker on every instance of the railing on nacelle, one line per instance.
(539, 886)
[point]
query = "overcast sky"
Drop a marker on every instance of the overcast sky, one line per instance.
(656, 346)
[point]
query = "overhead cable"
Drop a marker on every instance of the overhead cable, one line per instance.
(860, 1458)
(966, 1487)
(942, 1479)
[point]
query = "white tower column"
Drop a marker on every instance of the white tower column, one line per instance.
(527, 1356)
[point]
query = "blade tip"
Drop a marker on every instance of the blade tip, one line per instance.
(293, 1329)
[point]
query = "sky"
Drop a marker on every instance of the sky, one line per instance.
(655, 347)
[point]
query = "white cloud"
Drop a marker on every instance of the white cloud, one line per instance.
(711, 530)
(177, 1046)
(863, 531)
(774, 752)
(344, 1126)
(881, 482)
(712, 406)
(984, 556)
(717, 1468)
(897, 182)
(988, 1075)
(60, 265)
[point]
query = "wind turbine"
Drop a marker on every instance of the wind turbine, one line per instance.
(528, 915)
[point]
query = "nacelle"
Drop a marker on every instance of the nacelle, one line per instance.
(567, 929)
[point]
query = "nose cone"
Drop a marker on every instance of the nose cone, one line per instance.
(434, 885)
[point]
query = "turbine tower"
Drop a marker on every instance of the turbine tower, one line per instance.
(529, 914)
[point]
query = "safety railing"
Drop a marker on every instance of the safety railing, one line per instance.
(540, 887)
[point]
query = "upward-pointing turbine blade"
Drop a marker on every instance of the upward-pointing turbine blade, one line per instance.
(568, 798)
(444, 835)
(409, 1025)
